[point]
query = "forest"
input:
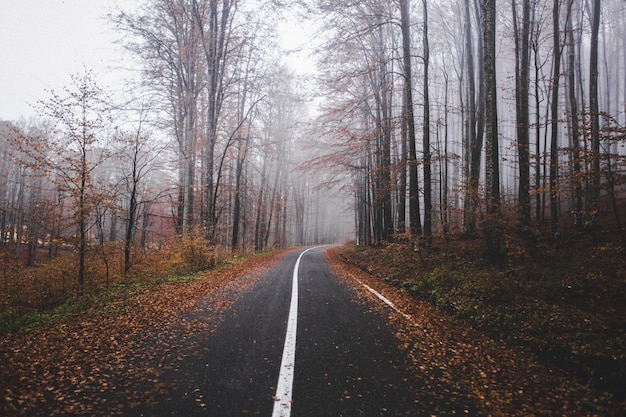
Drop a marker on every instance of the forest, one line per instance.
(199, 158)
(457, 116)
(495, 125)
(470, 152)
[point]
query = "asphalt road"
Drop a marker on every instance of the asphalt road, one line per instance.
(347, 362)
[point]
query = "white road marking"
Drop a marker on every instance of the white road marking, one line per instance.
(282, 399)
(388, 302)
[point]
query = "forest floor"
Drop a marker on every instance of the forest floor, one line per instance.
(563, 303)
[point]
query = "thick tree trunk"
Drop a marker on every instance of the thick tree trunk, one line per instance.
(494, 238)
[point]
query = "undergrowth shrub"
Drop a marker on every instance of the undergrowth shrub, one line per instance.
(31, 295)
(187, 254)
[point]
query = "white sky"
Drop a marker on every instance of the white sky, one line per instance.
(42, 42)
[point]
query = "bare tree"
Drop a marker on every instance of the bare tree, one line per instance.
(165, 36)
(522, 77)
(414, 203)
(214, 20)
(138, 159)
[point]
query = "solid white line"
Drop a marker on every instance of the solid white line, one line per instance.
(282, 399)
(387, 301)
(379, 295)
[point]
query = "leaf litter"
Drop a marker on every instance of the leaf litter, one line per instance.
(457, 365)
(113, 360)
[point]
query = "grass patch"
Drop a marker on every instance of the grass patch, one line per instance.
(12, 322)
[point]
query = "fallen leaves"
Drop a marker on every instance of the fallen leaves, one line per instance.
(460, 368)
(110, 361)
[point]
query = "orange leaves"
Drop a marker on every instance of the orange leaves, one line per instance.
(122, 348)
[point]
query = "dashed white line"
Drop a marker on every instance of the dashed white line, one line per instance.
(284, 388)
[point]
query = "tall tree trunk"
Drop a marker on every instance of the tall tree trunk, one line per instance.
(593, 98)
(494, 238)
(554, 122)
(384, 222)
(522, 111)
(414, 204)
(573, 105)
(473, 141)
(402, 169)
(445, 206)
(189, 142)
(386, 165)
(537, 161)
(428, 202)
(258, 223)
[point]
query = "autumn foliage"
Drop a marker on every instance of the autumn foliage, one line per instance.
(114, 357)
(31, 295)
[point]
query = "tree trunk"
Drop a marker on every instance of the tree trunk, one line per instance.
(473, 140)
(494, 238)
(82, 224)
(414, 204)
(573, 105)
(593, 98)
(402, 169)
(428, 202)
(554, 145)
(522, 111)
(132, 218)
(237, 205)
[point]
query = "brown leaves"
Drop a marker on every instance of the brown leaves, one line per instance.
(460, 368)
(112, 360)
